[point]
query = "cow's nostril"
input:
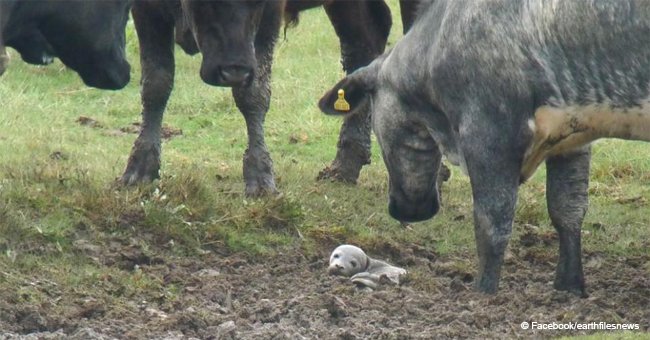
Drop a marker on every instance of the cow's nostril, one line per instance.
(235, 74)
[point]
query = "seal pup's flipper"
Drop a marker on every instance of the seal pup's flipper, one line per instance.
(366, 279)
(383, 269)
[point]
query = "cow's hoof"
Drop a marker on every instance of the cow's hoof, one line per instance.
(140, 173)
(577, 289)
(140, 170)
(261, 188)
(143, 165)
(335, 173)
(134, 178)
(486, 286)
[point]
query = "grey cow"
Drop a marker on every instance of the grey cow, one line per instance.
(500, 86)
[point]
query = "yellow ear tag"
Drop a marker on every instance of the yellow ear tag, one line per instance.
(341, 104)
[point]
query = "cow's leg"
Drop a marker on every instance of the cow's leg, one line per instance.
(155, 35)
(4, 58)
(361, 42)
(494, 173)
(409, 11)
(253, 102)
(567, 182)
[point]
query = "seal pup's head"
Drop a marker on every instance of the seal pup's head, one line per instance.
(347, 260)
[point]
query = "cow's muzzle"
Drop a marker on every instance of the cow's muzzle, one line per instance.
(109, 77)
(407, 211)
(228, 75)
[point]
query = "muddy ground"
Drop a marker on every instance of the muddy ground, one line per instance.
(290, 296)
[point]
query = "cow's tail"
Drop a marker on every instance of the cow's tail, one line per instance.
(292, 14)
(292, 11)
(291, 19)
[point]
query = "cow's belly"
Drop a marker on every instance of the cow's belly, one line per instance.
(558, 130)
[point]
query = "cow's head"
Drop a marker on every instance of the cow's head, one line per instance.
(225, 32)
(89, 37)
(409, 151)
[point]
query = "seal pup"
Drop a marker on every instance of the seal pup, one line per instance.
(364, 271)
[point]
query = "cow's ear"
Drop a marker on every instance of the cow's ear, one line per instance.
(352, 93)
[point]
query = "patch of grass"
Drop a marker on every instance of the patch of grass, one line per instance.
(531, 205)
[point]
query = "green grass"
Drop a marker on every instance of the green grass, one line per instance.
(56, 176)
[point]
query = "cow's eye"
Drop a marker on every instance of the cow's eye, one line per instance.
(336, 256)
(353, 263)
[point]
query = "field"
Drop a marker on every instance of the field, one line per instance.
(190, 257)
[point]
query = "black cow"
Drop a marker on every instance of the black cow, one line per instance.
(226, 31)
(236, 39)
(500, 86)
(88, 36)
(34, 48)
